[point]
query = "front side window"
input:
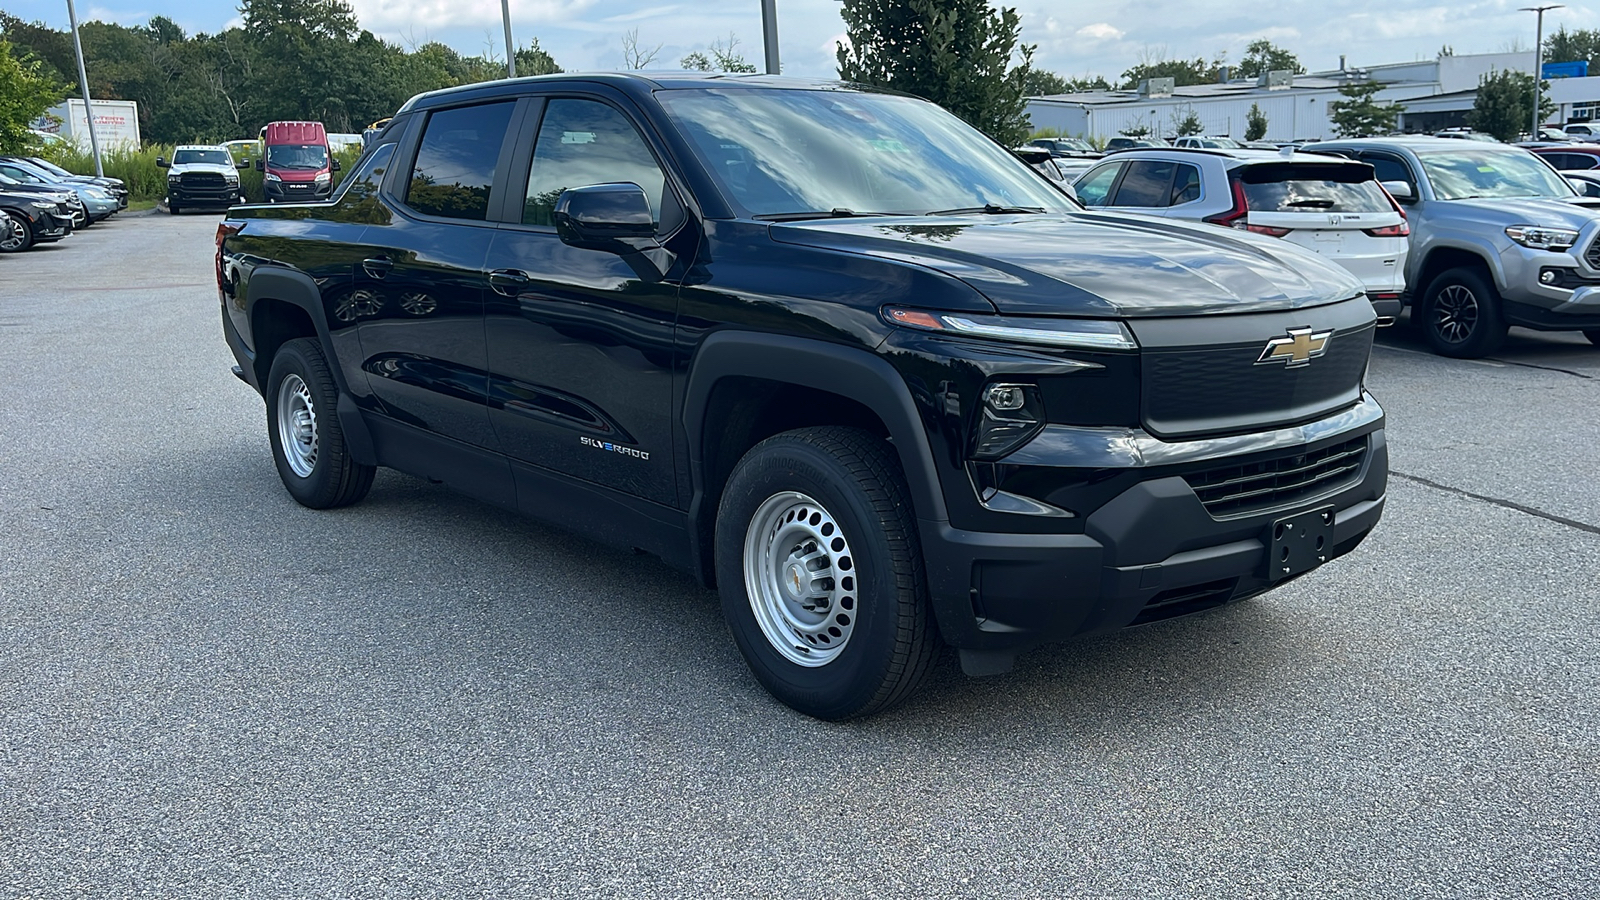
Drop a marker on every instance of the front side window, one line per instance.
(583, 142)
(455, 163)
(1148, 183)
(1387, 168)
(799, 152)
(206, 157)
(1094, 187)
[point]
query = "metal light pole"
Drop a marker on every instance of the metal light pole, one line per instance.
(511, 52)
(769, 33)
(83, 82)
(1538, 61)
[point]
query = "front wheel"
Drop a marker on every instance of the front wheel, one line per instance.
(1461, 316)
(15, 235)
(307, 441)
(821, 575)
(174, 207)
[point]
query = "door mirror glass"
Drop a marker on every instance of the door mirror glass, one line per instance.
(244, 163)
(1401, 191)
(261, 165)
(596, 216)
(336, 166)
(161, 163)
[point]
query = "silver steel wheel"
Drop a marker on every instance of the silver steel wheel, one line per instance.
(801, 579)
(13, 233)
(1455, 313)
(297, 425)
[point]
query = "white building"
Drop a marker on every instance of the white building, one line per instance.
(1576, 99)
(1436, 94)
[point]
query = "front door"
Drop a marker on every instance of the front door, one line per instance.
(580, 341)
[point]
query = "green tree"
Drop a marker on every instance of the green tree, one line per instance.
(1265, 56)
(534, 60)
(1135, 131)
(27, 89)
(1189, 124)
(719, 57)
(1359, 115)
(1572, 46)
(1255, 124)
(957, 53)
(1181, 71)
(1504, 105)
(1041, 83)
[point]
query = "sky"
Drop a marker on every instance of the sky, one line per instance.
(1074, 38)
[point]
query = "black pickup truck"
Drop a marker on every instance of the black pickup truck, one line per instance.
(827, 348)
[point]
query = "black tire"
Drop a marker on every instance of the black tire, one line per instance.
(331, 478)
(1461, 314)
(891, 642)
(15, 235)
(1593, 334)
(174, 208)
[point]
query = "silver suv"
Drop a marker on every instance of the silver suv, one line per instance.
(1332, 207)
(1498, 238)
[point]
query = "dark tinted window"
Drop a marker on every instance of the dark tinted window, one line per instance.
(368, 176)
(455, 163)
(1186, 186)
(1387, 168)
(1148, 183)
(585, 142)
(1092, 189)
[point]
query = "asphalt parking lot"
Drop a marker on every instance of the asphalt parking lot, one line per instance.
(209, 691)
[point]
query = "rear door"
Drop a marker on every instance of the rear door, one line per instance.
(420, 287)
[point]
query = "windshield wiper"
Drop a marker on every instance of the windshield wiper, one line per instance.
(1320, 204)
(836, 213)
(992, 209)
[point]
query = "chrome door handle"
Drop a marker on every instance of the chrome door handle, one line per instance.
(508, 281)
(378, 266)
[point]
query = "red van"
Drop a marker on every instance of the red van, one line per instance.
(296, 162)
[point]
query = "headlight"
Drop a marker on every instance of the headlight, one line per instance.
(270, 177)
(1535, 237)
(174, 178)
(324, 178)
(1090, 334)
(230, 177)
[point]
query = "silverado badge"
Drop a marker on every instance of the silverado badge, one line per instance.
(1295, 349)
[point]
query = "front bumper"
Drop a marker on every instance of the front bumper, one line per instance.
(1151, 552)
(223, 196)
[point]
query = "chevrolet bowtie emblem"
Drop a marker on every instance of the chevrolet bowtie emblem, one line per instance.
(1298, 348)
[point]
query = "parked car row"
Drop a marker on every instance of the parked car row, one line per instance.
(41, 202)
(1473, 236)
(293, 157)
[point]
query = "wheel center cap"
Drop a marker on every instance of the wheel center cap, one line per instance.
(794, 580)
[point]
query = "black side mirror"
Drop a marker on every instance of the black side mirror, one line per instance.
(244, 163)
(162, 163)
(336, 166)
(602, 216)
(261, 165)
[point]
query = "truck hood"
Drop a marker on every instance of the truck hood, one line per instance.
(1093, 264)
(219, 168)
(1576, 212)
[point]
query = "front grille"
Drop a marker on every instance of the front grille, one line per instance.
(1284, 480)
(1593, 255)
(1221, 389)
(203, 180)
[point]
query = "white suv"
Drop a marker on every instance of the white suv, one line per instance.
(1324, 204)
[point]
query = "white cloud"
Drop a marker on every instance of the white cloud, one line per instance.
(1099, 31)
(392, 15)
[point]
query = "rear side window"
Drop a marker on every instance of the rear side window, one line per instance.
(455, 162)
(1185, 185)
(1148, 183)
(1313, 189)
(364, 181)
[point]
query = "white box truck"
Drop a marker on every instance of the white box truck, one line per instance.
(116, 122)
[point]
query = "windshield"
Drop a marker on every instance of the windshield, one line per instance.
(793, 151)
(297, 156)
(48, 166)
(207, 157)
(1470, 171)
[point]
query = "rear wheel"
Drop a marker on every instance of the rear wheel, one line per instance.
(1461, 315)
(307, 441)
(15, 235)
(820, 573)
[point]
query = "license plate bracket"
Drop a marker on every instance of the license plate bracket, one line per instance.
(1297, 544)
